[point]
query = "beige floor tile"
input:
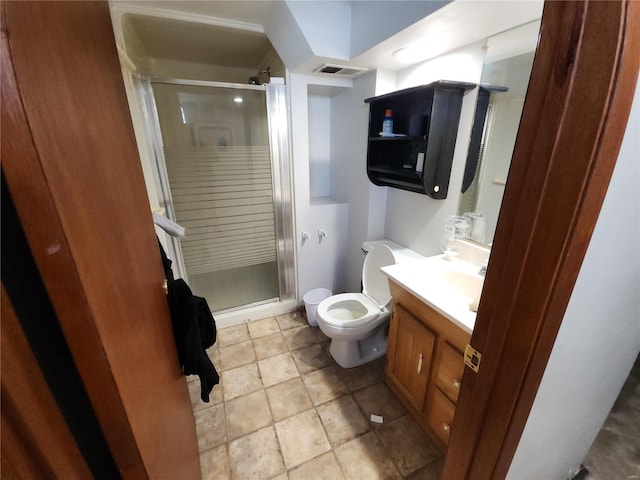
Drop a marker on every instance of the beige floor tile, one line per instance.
(365, 459)
(214, 355)
(342, 420)
(240, 381)
(215, 397)
(365, 375)
(269, 346)
(210, 427)
(247, 414)
(324, 467)
(433, 471)
(256, 456)
(237, 354)
(282, 476)
(300, 337)
(320, 335)
(264, 327)
(231, 335)
(301, 438)
(288, 398)
(277, 369)
(408, 446)
(262, 383)
(214, 464)
(324, 385)
(291, 320)
(311, 357)
(378, 400)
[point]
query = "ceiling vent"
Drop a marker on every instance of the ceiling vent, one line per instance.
(341, 70)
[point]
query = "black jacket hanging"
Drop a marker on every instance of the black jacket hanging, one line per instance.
(194, 330)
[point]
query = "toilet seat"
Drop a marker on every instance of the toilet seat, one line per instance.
(351, 310)
(375, 284)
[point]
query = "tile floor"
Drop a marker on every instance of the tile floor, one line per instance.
(285, 410)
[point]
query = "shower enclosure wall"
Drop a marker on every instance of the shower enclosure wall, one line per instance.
(221, 153)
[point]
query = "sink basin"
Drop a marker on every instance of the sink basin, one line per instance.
(450, 286)
(462, 284)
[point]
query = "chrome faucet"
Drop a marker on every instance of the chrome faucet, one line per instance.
(483, 269)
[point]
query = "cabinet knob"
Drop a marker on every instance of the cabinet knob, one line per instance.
(446, 427)
(456, 384)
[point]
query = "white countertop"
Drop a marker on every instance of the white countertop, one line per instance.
(449, 286)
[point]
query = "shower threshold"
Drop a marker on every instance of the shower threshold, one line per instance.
(254, 311)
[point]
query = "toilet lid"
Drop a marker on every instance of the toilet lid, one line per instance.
(375, 283)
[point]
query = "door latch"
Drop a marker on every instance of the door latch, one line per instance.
(472, 358)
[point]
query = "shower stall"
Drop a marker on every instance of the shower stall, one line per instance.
(222, 164)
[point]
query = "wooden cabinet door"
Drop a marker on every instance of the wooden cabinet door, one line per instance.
(410, 355)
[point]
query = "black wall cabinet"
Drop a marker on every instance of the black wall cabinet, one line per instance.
(418, 156)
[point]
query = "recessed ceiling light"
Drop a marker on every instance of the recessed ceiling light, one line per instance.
(412, 54)
(237, 99)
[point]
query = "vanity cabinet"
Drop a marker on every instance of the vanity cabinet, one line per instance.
(411, 359)
(418, 154)
(425, 363)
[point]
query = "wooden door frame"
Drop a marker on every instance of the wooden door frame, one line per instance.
(574, 118)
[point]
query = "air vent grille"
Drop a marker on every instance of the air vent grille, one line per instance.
(343, 71)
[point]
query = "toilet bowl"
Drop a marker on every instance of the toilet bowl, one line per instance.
(356, 322)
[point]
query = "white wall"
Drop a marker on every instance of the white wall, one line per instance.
(600, 335)
(374, 212)
(319, 145)
(285, 35)
(332, 113)
(321, 262)
(416, 220)
(367, 202)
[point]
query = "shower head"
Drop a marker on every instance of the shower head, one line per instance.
(256, 80)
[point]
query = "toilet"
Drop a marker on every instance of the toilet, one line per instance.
(357, 323)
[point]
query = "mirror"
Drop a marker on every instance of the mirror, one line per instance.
(504, 82)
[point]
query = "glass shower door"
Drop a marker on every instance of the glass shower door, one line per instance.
(217, 156)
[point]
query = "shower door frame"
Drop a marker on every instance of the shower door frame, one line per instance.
(281, 174)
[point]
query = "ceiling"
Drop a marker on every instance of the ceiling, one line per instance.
(172, 39)
(232, 33)
(248, 11)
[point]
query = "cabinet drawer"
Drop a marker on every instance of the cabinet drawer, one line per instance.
(440, 415)
(450, 371)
